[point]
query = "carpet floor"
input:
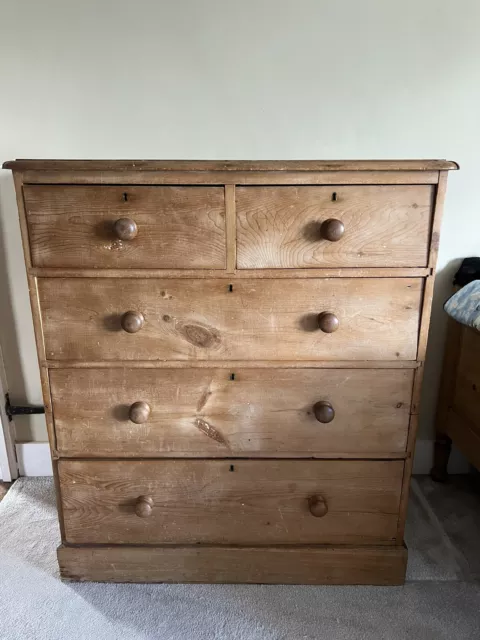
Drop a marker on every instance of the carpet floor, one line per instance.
(441, 599)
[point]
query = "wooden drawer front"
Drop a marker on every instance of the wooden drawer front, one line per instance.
(177, 227)
(466, 400)
(204, 320)
(384, 226)
(230, 502)
(202, 412)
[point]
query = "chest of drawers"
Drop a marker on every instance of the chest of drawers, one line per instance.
(231, 357)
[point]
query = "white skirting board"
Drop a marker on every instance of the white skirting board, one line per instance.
(34, 459)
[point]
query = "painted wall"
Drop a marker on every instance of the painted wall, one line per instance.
(255, 79)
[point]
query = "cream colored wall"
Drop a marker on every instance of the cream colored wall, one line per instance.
(253, 79)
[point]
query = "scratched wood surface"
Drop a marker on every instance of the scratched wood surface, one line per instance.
(203, 412)
(231, 502)
(178, 227)
(385, 226)
(204, 320)
(381, 565)
(227, 177)
(229, 165)
(268, 320)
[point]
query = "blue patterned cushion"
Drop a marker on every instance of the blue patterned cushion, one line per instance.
(464, 306)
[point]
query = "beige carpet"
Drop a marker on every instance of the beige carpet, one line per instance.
(440, 601)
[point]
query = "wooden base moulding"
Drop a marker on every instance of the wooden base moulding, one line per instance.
(255, 565)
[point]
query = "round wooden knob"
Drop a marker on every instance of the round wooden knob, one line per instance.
(139, 412)
(318, 506)
(132, 321)
(324, 412)
(125, 229)
(144, 506)
(332, 230)
(327, 322)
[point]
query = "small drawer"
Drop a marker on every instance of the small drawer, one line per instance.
(336, 226)
(204, 412)
(230, 502)
(103, 319)
(126, 226)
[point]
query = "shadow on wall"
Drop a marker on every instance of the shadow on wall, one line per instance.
(14, 302)
(435, 348)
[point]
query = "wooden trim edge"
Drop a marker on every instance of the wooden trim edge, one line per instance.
(254, 565)
(229, 165)
(230, 228)
(232, 364)
(198, 274)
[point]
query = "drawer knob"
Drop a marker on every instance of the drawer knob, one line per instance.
(318, 506)
(327, 322)
(324, 412)
(132, 321)
(139, 412)
(144, 506)
(125, 229)
(332, 230)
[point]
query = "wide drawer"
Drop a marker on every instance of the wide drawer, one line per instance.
(230, 502)
(161, 227)
(203, 412)
(335, 226)
(212, 320)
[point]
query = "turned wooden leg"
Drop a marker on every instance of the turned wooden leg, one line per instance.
(443, 447)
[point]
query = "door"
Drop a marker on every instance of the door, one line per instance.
(8, 462)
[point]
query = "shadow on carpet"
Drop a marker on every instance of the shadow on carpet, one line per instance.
(440, 599)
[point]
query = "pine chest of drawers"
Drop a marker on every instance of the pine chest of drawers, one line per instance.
(231, 357)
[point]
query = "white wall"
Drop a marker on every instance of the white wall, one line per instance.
(249, 79)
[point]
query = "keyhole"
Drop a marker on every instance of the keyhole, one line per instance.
(334, 196)
(125, 197)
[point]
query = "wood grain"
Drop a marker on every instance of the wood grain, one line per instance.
(203, 412)
(425, 318)
(404, 499)
(36, 315)
(385, 226)
(132, 177)
(448, 381)
(466, 436)
(441, 192)
(230, 165)
(260, 274)
(231, 228)
(205, 320)
(258, 565)
(441, 444)
(178, 227)
(225, 502)
(39, 340)
(233, 364)
(466, 389)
